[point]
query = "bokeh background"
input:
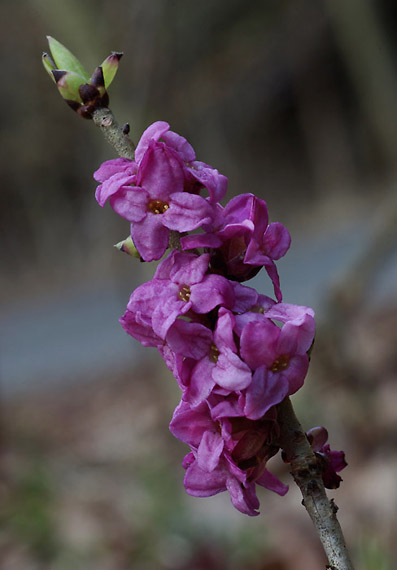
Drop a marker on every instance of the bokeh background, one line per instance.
(294, 100)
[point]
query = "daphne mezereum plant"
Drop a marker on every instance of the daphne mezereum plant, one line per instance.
(237, 355)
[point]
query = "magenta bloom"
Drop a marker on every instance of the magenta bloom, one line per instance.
(197, 175)
(278, 356)
(180, 285)
(154, 200)
(230, 455)
(332, 461)
(242, 240)
(113, 175)
(218, 364)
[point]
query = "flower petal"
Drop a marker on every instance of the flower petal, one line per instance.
(187, 212)
(266, 390)
(160, 172)
(150, 237)
(153, 133)
(189, 339)
(130, 203)
(115, 166)
(231, 372)
(209, 450)
(270, 481)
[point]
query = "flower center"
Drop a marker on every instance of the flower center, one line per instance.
(281, 363)
(184, 293)
(214, 353)
(157, 206)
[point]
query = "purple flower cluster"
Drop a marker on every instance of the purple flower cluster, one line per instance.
(235, 354)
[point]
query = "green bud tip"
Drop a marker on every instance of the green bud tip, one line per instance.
(65, 60)
(127, 245)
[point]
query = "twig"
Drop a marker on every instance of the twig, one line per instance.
(113, 133)
(306, 472)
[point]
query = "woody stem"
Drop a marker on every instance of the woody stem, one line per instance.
(306, 472)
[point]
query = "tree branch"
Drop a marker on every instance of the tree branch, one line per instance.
(306, 472)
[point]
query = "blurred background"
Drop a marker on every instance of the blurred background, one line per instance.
(292, 100)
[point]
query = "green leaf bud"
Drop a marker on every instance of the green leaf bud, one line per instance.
(65, 60)
(68, 84)
(110, 66)
(49, 64)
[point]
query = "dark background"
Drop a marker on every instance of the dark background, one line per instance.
(292, 100)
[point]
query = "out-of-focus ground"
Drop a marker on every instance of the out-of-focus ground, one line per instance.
(292, 100)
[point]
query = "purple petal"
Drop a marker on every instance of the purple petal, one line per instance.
(243, 499)
(160, 173)
(247, 207)
(201, 382)
(130, 203)
(209, 450)
(150, 237)
(115, 166)
(223, 335)
(112, 185)
(187, 212)
(298, 331)
(214, 290)
(153, 133)
(188, 268)
(180, 144)
(276, 240)
(226, 407)
(200, 240)
(166, 313)
(336, 458)
(258, 343)
(244, 297)
(270, 481)
(140, 329)
(266, 390)
(231, 372)
(199, 483)
(189, 339)
(296, 372)
(210, 178)
(271, 270)
(189, 424)
(146, 297)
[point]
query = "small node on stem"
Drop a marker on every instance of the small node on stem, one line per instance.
(107, 122)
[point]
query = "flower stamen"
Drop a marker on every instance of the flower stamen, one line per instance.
(158, 206)
(184, 293)
(281, 363)
(214, 353)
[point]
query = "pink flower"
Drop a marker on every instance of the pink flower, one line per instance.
(197, 175)
(229, 454)
(332, 461)
(180, 285)
(242, 240)
(277, 356)
(217, 362)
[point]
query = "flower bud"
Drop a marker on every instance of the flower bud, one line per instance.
(127, 245)
(65, 60)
